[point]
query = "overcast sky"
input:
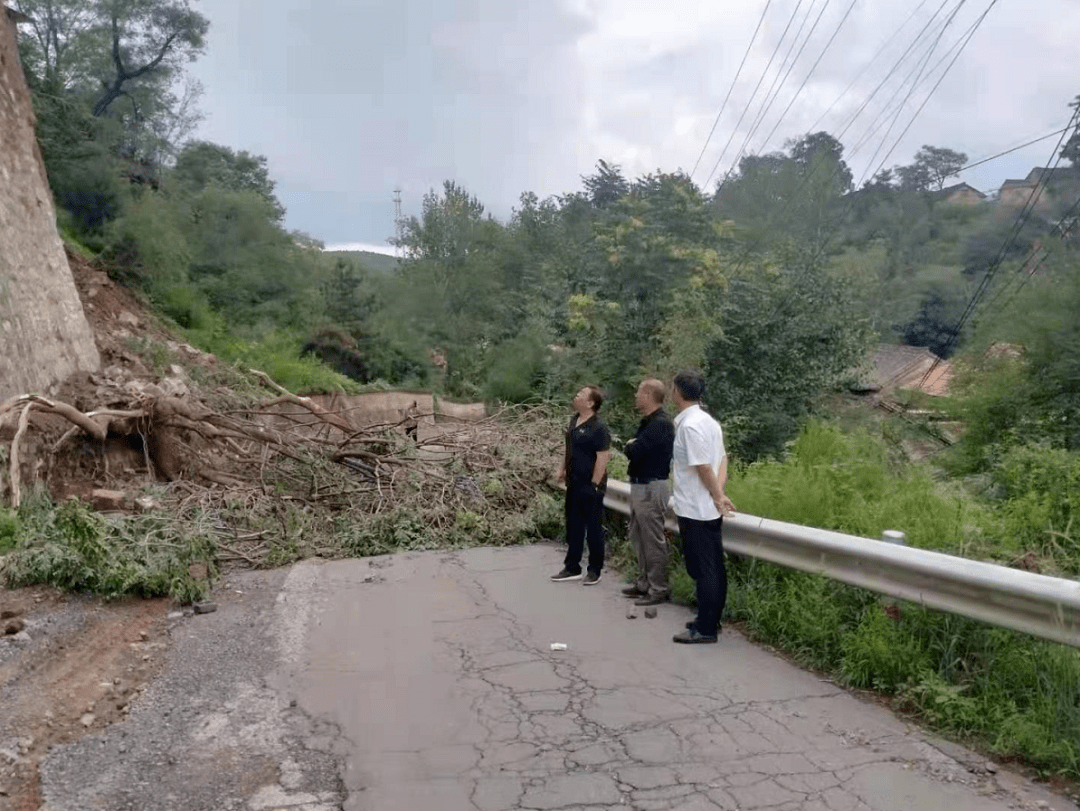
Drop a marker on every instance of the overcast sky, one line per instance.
(349, 100)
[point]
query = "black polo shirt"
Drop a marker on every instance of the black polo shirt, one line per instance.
(650, 452)
(583, 442)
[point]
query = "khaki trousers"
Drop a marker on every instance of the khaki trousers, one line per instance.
(648, 506)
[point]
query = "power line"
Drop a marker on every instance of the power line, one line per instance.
(808, 75)
(778, 82)
(890, 107)
(1014, 232)
(757, 87)
(1038, 265)
(941, 79)
(899, 110)
(981, 161)
(893, 69)
(731, 88)
(881, 50)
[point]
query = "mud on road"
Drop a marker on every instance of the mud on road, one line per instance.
(138, 705)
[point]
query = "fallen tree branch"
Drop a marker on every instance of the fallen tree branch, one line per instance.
(306, 402)
(24, 421)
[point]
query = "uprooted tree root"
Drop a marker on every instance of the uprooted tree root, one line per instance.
(284, 478)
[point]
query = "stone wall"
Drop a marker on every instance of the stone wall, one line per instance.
(44, 335)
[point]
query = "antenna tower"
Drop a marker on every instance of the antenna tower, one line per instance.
(399, 223)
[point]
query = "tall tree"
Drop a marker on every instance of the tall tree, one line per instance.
(201, 164)
(148, 39)
(607, 186)
(932, 167)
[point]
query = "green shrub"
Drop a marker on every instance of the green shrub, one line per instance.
(847, 483)
(70, 547)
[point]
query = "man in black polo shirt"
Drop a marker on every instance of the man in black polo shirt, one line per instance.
(649, 453)
(584, 469)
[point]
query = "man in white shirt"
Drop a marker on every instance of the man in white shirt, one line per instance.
(700, 471)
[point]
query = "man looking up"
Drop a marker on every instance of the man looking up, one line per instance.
(584, 469)
(649, 453)
(699, 504)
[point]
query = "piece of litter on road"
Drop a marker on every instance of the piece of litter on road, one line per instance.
(650, 612)
(558, 646)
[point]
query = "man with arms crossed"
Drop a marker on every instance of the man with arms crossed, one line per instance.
(649, 453)
(584, 469)
(699, 503)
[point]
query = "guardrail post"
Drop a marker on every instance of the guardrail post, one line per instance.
(893, 536)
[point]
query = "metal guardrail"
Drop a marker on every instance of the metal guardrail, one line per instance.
(1046, 607)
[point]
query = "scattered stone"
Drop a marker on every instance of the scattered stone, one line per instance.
(991, 767)
(130, 319)
(107, 500)
(631, 614)
(205, 608)
(175, 615)
(9, 613)
(145, 504)
(22, 636)
(143, 635)
(87, 719)
(13, 627)
(650, 612)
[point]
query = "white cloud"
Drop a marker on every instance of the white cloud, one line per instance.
(386, 250)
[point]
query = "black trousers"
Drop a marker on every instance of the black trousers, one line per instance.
(703, 549)
(584, 518)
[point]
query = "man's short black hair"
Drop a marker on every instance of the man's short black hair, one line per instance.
(596, 397)
(691, 386)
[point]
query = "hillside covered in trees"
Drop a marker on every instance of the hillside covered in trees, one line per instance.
(777, 281)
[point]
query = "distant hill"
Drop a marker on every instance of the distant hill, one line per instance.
(375, 262)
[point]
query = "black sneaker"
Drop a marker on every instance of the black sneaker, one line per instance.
(592, 578)
(633, 591)
(565, 574)
(691, 636)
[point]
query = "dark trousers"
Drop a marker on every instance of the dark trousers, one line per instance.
(703, 550)
(584, 518)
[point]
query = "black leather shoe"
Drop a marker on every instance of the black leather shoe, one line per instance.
(691, 637)
(693, 624)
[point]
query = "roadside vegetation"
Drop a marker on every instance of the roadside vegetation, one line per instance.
(776, 284)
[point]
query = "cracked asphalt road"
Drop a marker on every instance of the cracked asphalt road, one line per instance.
(426, 681)
(437, 670)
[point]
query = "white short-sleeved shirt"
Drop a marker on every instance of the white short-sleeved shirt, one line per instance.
(699, 440)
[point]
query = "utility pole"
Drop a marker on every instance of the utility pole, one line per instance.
(399, 224)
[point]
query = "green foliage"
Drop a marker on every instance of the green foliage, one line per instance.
(70, 547)
(201, 165)
(846, 483)
(279, 355)
(9, 529)
(1042, 487)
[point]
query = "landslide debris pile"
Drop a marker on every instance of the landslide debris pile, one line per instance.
(194, 464)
